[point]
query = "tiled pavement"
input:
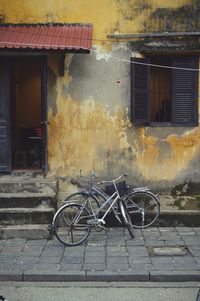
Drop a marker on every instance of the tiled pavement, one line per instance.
(156, 254)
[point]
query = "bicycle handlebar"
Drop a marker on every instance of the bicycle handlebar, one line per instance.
(113, 181)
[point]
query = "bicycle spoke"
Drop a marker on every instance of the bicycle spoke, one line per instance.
(70, 224)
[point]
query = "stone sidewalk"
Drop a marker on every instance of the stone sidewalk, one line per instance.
(156, 254)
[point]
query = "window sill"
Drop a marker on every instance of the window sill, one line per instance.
(170, 124)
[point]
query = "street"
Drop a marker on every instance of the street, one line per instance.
(99, 291)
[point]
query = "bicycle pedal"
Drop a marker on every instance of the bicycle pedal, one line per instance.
(99, 228)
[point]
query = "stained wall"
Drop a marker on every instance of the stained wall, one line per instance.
(89, 107)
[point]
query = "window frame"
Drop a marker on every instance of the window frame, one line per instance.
(191, 87)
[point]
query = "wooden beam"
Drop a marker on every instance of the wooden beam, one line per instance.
(153, 35)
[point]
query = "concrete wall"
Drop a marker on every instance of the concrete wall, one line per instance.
(89, 108)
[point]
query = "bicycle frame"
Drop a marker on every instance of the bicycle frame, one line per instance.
(109, 200)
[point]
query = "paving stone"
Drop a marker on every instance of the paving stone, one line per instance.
(166, 229)
(96, 243)
(36, 242)
(138, 260)
(139, 251)
(135, 242)
(142, 266)
(152, 235)
(194, 250)
(94, 266)
(44, 259)
(70, 259)
(164, 263)
(116, 242)
(27, 259)
(16, 242)
(11, 249)
(45, 266)
(197, 230)
(155, 243)
(70, 267)
(115, 232)
(53, 253)
(93, 259)
(113, 249)
(99, 252)
(191, 240)
(116, 260)
(197, 259)
(8, 258)
(183, 229)
(187, 232)
(177, 242)
(90, 248)
(72, 254)
(117, 267)
(54, 242)
(24, 266)
(6, 267)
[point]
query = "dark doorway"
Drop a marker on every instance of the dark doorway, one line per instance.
(23, 112)
(26, 130)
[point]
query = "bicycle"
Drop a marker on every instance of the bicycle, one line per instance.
(82, 210)
(78, 219)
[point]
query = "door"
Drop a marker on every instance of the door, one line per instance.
(23, 113)
(5, 136)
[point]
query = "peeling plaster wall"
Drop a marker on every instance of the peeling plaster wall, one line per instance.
(89, 108)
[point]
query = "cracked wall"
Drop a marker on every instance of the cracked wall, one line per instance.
(89, 108)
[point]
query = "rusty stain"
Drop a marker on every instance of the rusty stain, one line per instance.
(184, 149)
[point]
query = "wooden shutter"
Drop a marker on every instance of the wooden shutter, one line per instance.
(5, 143)
(185, 91)
(140, 94)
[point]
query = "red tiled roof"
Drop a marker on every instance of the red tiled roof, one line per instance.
(47, 36)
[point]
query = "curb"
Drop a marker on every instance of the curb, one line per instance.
(100, 276)
(174, 276)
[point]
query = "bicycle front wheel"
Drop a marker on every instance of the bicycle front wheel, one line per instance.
(126, 218)
(92, 202)
(70, 224)
(143, 208)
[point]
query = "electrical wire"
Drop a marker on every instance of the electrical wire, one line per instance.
(29, 45)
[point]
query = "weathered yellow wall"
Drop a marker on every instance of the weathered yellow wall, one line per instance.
(107, 16)
(85, 133)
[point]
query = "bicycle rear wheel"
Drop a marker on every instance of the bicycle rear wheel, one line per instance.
(126, 218)
(143, 208)
(70, 224)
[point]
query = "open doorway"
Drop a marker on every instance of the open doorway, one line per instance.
(26, 130)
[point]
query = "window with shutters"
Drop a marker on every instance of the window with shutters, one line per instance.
(164, 91)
